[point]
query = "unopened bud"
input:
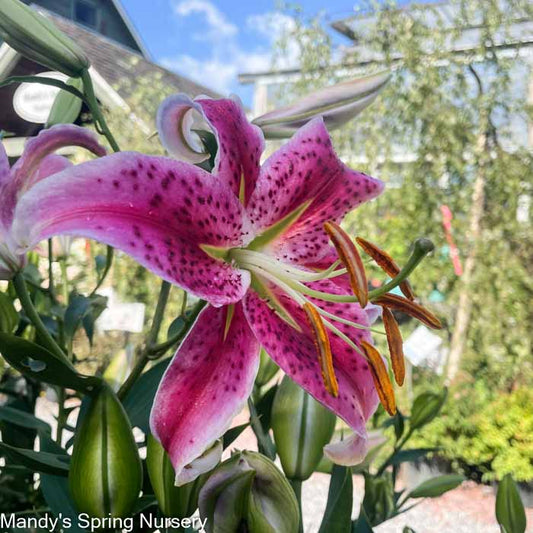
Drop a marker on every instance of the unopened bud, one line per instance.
(105, 474)
(38, 39)
(248, 493)
(302, 427)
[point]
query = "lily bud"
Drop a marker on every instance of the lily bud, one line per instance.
(66, 106)
(249, 493)
(105, 474)
(336, 104)
(175, 502)
(378, 502)
(302, 427)
(267, 369)
(38, 39)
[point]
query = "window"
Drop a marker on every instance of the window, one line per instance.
(86, 13)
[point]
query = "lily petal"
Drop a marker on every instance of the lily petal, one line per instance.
(240, 144)
(296, 354)
(156, 209)
(47, 142)
(304, 169)
(205, 386)
(4, 166)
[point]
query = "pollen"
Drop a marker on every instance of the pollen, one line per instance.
(325, 358)
(386, 263)
(399, 303)
(394, 340)
(351, 259)
(381, 378)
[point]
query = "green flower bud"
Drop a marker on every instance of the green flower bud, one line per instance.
(175, 502)
(267, 369)
(105, 475)
(38, 39)
(302, 427)
(66, 106)
(248, 493)
(378, 502)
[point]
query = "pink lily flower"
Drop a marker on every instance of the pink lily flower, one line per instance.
(37, 162)
(246, 238)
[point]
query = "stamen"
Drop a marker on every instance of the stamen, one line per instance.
(394, 340)
(323, 347)
(386, 263)
(381, 378)
(347, 322)
(351, 259)
(399, 303)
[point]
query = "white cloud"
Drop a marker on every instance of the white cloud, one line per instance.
(215, 19)
(226, 56)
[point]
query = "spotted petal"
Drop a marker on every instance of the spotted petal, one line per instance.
(205, 386)
(295, 352)
(240, 144)
(154, 208)
(307, 169)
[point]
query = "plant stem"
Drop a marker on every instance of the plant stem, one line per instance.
(51, 288)
(143, 359)
(109, 261)
(63, 265)
(421, 248)
(264, 442)
(61, 418)
(96, 111)
(296, 485)
(33, 315)
(159, 349)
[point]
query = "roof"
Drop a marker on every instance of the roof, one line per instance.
(131, 27)
(115, 62)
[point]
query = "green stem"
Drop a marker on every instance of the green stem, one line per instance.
(109, 261)
(137, 370)
(33, 315)
(51, 288)
(397, 447)
(63, 265)
(96, 111)
(421, 248)
(264, 442)
(61, 418)
(296, 485)
(159, 349)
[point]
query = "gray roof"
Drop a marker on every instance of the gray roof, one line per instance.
(115, 62)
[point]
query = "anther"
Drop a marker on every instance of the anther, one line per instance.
(386, 263)
(351, 259)
(381, 378)
(399, 303)
(325, 358)
(394, 340)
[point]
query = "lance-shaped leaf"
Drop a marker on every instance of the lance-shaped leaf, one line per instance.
(337, 517)
(44, 462)
(426, 407)
(432, 488)
(509, 507)
(337, 104)
(8, 315)
(38, 363)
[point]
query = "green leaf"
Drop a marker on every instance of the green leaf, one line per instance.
(399, 424)
(23, 419)
(510, 511)
(175, 327)
(66, 106)
(55, 489)
(44, 462)
(138, 401)
(426, 407)
(264, 406)
(408, 529)
(404, 456)
(9, 317)
(337, 517)
(362, 525)
(436, 486)
(232, 434)
(38, 363)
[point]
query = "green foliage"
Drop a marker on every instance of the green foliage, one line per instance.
(487, 437)
(510, 511)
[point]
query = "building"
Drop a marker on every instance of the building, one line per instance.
(103, 29)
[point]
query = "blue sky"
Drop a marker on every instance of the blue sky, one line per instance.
(211, 41)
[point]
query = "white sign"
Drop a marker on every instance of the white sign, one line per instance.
(33, 101)
(424, 349)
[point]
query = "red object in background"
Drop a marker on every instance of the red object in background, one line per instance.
(454, 253)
